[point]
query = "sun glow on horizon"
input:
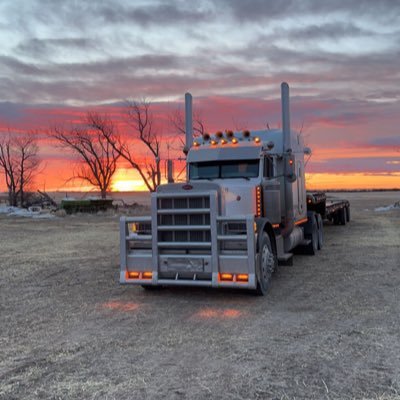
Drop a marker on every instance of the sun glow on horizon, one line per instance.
(127, 180)
(350, 181)
(128, 186)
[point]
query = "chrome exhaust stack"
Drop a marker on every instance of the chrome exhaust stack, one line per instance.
(188, 123)
(288, 168)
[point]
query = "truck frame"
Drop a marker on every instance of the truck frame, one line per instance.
(243, 210)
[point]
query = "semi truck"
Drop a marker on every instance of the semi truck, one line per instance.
(242, 211)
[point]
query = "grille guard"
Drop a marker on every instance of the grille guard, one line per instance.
(171, 245)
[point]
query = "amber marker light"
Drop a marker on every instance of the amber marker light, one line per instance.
(132, 275)
(258, 201)
(257, 139)
(242, 278)
(234, 140)
(213, 142)
(226, 277)
(147, 275)
(134, 228)
(223, 141)
(196, 144)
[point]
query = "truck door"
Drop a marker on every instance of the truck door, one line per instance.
(271, 192)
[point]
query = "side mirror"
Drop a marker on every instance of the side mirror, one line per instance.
(290, 168)
(291, 177)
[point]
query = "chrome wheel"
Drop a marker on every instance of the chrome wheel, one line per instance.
(266, 265)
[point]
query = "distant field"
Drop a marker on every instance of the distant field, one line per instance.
(143, 198)
(328, 329)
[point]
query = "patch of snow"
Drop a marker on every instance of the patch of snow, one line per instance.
(395, 206)
(32, 212)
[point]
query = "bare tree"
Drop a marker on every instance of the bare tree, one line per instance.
(177, 121)
(19, 161)
(141, 119)
(97, 157)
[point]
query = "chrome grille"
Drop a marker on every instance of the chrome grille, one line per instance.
(184, 221)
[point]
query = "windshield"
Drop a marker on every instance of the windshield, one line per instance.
(224, 169)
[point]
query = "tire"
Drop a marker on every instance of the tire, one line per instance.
(348, 214)
(336, 218)
(265, 266)
(320, 231)
(312, 248)
(342, 216)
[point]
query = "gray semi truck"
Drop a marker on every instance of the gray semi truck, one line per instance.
(242, 211)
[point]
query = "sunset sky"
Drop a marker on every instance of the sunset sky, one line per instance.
(341, 59)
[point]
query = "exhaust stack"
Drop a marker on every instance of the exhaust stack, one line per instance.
(287, 150)
(188, 122)
(285, 117)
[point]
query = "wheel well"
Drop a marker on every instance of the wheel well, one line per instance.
(269, 230)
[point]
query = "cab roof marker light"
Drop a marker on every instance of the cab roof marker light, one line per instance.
(223, 141)
(257, 139)
(213, 142)
(234, 140)
(196, 144)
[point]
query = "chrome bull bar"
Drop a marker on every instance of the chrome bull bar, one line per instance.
(167, 248)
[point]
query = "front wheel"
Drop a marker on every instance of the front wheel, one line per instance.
(265, 266)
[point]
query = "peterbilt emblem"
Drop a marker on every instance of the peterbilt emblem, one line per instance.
(187, 187)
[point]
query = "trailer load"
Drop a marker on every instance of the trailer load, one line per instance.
(243, 210)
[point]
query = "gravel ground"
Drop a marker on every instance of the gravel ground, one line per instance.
(328, 329)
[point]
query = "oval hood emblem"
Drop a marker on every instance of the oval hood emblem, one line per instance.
(187, 187)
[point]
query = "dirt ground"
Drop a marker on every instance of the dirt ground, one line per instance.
(328, 329)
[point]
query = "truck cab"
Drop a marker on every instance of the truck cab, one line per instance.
(249, 169)
(242, 209)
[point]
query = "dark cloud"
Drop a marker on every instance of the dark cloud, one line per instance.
(387, 141)
(261, 10)
(330, 30)
(354, 165)
(160, 14)
(93, 69)
(43, 47)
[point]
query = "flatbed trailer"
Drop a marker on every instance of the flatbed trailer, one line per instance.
(329, 207)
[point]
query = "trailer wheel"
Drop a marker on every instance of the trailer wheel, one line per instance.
(312, 248)
(320, 231)
(265, 266)
(342, 216)
(347, 213)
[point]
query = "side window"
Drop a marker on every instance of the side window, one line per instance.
(268, 167)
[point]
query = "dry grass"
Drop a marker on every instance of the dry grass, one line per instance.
(329, 328)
